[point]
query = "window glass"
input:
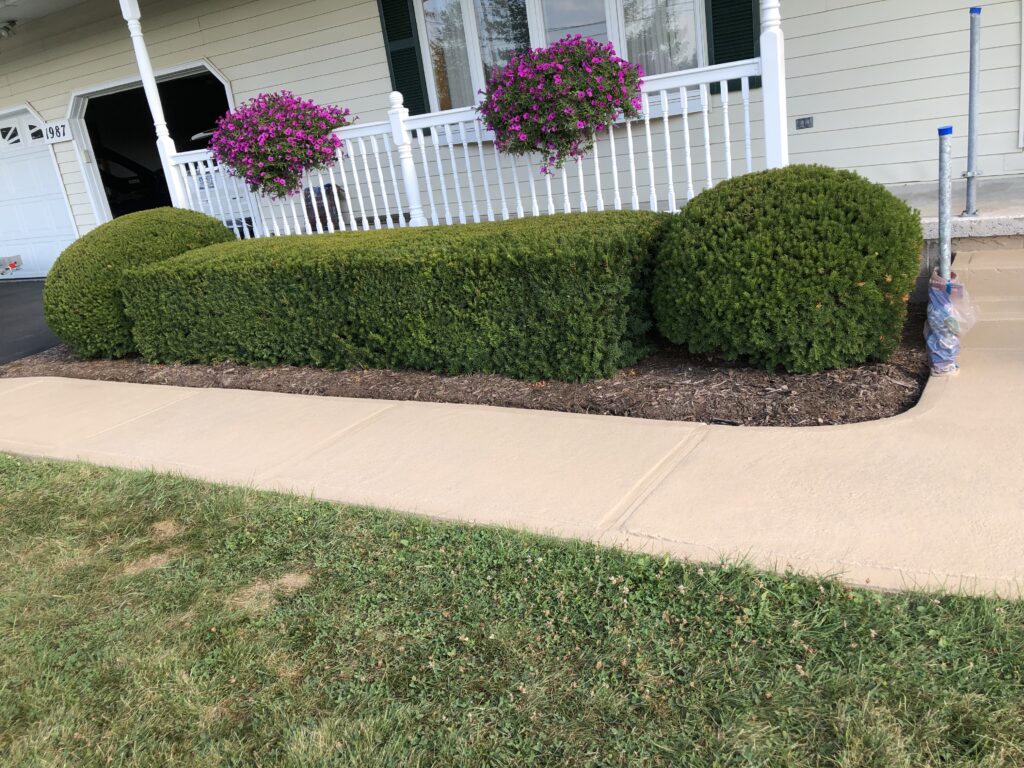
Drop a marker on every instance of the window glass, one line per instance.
(503, 30)
(661, 35)
(575, 17)
(449, 59)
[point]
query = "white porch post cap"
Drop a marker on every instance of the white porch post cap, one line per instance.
(130, 10)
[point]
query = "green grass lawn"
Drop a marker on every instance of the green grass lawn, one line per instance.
(253, 629)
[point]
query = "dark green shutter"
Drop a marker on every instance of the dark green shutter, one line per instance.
(734, 32)
(398, 21)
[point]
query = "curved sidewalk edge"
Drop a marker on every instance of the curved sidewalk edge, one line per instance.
(933, 498)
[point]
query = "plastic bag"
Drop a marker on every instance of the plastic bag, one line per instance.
(950, 315)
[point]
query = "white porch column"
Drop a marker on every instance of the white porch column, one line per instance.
(164, 143)
(398, 114)
(773, 85)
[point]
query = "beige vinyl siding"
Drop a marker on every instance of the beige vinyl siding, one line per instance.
(880, 76)
(328, 50)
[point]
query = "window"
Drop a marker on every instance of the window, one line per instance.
(461, 41)
(574, 17)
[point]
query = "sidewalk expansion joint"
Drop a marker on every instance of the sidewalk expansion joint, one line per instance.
(70, 444)
(24, 384)
(655, 476)
(275, 471)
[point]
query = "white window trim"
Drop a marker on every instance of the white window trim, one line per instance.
(614, 13)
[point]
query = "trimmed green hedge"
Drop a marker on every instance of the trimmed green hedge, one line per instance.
(560, 297)
(804, 267)
(82, 297)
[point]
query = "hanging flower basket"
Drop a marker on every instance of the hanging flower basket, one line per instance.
(273, 139)
(553, 100)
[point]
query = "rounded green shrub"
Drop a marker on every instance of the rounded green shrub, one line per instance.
(803, 267)
(82, 298)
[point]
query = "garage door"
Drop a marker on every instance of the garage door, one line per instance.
(35, 224)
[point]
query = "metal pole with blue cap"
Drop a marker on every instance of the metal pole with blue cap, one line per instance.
(972, 115)
(945, 199)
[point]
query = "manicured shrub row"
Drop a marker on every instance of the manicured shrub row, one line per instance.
(562, 297)
(82, 298)
(803, 267)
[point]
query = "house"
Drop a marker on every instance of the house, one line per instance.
(866, 82)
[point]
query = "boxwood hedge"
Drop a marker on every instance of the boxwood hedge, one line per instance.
(804, 267)
(561, 297)
(82, 297)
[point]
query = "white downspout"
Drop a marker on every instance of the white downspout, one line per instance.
(164, 143)
(773, 85)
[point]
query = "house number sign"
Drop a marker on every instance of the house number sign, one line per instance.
(56, 132)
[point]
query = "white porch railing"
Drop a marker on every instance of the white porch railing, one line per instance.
(443, 168)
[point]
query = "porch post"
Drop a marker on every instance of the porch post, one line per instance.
(398, 114)
(164, 143)
(773, 85)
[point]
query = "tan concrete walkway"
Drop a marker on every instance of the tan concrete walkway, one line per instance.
(932, 498)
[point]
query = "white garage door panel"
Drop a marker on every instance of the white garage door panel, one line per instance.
(35, 223)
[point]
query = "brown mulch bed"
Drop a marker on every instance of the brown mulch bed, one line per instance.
(671, 384)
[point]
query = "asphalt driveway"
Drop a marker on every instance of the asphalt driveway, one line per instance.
(23, 331)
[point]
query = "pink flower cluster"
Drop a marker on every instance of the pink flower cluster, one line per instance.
(554, 100)
(271, 140)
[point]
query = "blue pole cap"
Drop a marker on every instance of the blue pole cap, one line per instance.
(946, 130)
(976, 9)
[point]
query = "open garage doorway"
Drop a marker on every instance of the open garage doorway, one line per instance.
(120, 130)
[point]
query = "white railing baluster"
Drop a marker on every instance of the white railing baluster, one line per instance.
(389, 223)
(579, 176)
(566, 201)
(534, 205)
(220, 187)
(746, 123)
(418, 135)
(635, 199)
(191, 177)
(515, 182)
(312, 202)
(223, 182)
(370, 191)
(328, 219)
(597, 177)
(350, 204)
(180, 170)
(302, 204)
(551, 195)
(383, 186)
(684, 97)
(653, 192)
(483, 167)
(617, 200)
(358, 185)
(211, 191)
(501, 183)
(668, 151)
(297, 224)
(707, 135)
(471, 182)
(243, 202)
(273, 218)
(440, 175)
(285, 228)
(455, 174)
(724, 95)
(337, 199)
(394, 181)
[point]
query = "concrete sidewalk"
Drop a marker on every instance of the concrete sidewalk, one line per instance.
(932, 498)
